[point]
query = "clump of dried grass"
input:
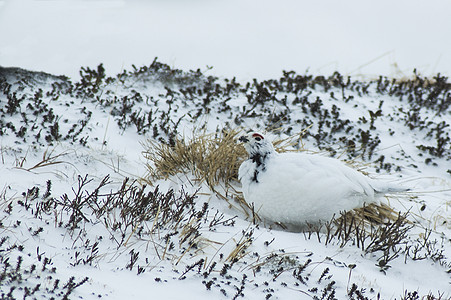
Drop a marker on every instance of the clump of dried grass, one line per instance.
(213, 158)
(373, 213)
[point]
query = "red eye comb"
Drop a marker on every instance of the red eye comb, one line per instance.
(255, 135)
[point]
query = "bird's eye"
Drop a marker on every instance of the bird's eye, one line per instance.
(257, 137)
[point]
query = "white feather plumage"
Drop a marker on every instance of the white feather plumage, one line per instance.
(298, 188)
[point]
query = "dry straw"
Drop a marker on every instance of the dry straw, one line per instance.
(211, 157)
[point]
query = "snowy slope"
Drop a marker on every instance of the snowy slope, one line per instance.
(64, 138)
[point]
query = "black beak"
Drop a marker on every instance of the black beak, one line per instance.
(243, 139)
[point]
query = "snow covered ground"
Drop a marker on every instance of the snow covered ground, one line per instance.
(59, 210)
(63, 136)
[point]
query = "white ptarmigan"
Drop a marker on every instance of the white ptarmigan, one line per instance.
(297, 188)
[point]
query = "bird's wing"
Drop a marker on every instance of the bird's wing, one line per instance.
(328, 172)
(369, 185)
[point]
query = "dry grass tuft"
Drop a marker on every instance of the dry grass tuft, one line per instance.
(212, 158)
(373, 214)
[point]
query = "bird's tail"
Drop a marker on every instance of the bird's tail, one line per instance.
(385, 188)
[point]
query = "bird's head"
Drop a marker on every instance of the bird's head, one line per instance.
(256, 143)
